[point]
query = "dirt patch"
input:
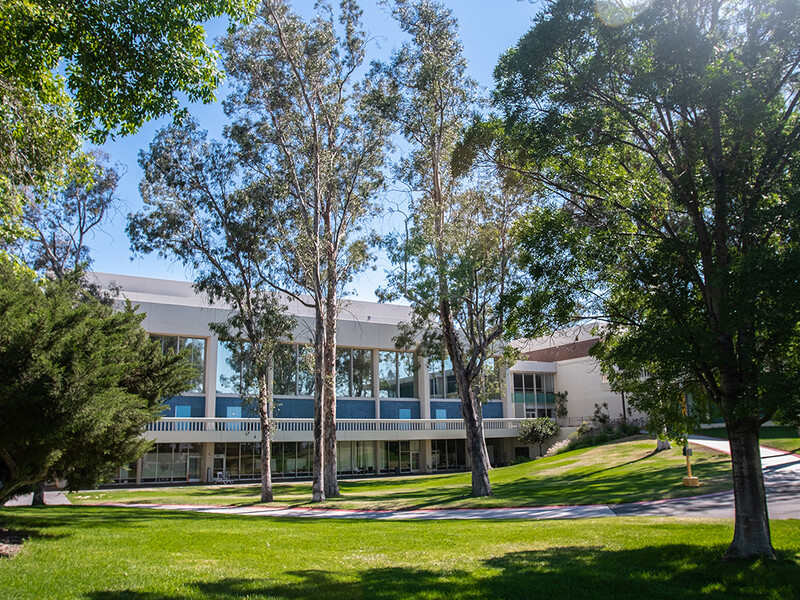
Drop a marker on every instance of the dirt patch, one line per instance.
(10, 542)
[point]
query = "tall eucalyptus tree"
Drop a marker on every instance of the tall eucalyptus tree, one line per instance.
(317, 151)
(196, 212)
(456, 258)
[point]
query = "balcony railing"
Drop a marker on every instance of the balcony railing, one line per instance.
(206, 424)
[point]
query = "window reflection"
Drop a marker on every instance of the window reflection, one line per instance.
(397, 375)
(196, 355)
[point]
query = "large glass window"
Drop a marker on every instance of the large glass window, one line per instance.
(196, 355)
(293, 370)
(442, 379)
(125, 474)
(448, 454)
(353, 373)
(239, 460)
(343, 368)
(397, 375)
(306, 364)
(235, 374)
(535, 392)
(362, 373)
(364, 457)
(284, 370)
(172, 462)
(400, 457)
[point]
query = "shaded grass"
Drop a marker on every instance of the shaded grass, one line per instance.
(104, 553)
(782, 438)
(626, 471)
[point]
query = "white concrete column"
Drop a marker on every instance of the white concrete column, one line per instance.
(376, 382)
(424, 390)
(211, 375)
(207, 462)
(508, 401)
(270, 386)
(425, 455)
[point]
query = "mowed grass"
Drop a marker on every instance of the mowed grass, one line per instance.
(781, 438)
(102, 553)
(627, 471)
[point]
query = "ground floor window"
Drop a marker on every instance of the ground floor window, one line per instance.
(172, 462)
(355, 458)
(292, 459)
(237, 460)
(448, 454)
(125, 475)
(242, 461)
(496, 450)
(399, 457)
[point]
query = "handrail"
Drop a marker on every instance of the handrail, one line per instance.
(253, 425)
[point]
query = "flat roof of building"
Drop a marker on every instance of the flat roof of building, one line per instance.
(182, 293)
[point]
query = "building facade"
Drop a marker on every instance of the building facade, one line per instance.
(396, 413)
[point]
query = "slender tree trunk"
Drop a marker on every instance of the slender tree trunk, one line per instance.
(329, 412)
(470, 410)
(38, 494)
(318, 476)
(479, 456)
(751, 535)
(264, 402)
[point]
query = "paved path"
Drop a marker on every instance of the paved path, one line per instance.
(50, 498)
(541, 512)
(781, 475)
(781, 479)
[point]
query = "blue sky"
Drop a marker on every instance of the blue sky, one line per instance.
(488, 28)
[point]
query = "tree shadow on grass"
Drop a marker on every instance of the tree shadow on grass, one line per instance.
(639, 485)
(676, 572)
(40, 521)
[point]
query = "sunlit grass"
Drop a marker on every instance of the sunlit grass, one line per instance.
(628, 471)
(98, 553)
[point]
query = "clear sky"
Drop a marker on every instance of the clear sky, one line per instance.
(487, 27)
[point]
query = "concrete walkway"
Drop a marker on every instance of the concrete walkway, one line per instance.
(781, 480)
(540, 512)
(781, 475)
(50, 498)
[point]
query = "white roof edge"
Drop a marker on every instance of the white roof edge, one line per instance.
(167, 291)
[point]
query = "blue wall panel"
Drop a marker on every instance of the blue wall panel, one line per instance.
(453, 409)
(294, 408)
(493, 410)
(221, 410)
(197, 404)
(355, 409)
(390, 409)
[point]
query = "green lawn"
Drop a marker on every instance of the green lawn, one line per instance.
(99, 553)
(782, 438)
(626, 471)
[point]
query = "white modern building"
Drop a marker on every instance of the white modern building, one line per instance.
(395, 413)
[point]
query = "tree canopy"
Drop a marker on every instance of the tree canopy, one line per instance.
(535, 432)
(195, 212)
(72, 69)
(315, 150)
(123, 62)
(672, 141)
(454, 258)
(79, 382)
(62, 220)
